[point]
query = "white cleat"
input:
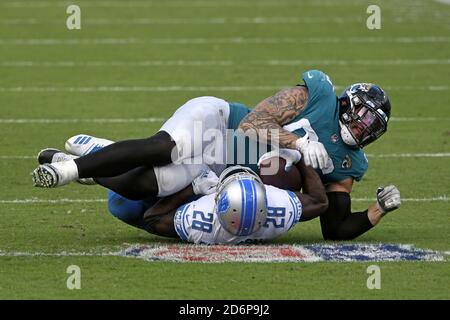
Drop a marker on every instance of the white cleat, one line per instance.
(55, 174)
(83, 144)
(51, 155)
(45, 176)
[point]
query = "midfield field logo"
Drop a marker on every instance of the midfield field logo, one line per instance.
(282, 253)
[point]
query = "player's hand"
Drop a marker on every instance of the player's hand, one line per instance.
(314, 152)
(388, 199)
(291, 156)
(205, 183)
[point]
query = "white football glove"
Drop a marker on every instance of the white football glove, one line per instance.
(291, 156)
(388, 199)
(314, 153)
(205, 183)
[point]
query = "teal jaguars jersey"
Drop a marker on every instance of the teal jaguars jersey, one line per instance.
(240, 149)
(320, 119)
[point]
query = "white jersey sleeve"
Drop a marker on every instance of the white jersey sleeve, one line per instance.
(196, 222)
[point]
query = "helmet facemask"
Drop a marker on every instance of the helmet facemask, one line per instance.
(362, 118)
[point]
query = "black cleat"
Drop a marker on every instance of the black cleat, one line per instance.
(46, 155)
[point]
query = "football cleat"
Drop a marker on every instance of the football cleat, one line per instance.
(83, 144)
(45, 176)
(50, 155)
(55, 174)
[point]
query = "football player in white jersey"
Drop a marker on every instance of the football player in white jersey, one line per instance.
(235, 208)
(172, 157)
(241, 210)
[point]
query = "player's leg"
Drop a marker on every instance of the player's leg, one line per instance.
(180, 139)
(123, 156)
(137, 184)
(129, 211)
(140, 183)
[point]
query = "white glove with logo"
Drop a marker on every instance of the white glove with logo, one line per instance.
(290, 155)
(205, 183)
(388, 199)
(314, 153)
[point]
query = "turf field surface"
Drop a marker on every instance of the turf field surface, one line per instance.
(133, 63)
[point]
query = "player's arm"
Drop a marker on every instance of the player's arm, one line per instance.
(274, 112)
(314, 199)
(271, 114)
(338, 222)
(159, 218)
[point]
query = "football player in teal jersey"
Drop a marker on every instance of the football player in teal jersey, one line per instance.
(331, 132)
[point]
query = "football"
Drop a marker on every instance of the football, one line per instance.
(272, 173)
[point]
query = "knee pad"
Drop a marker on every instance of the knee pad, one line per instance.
(175, 177)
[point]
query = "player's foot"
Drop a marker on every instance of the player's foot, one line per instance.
(83, 144)
(50, 155)
(55, 174)
(45, 176)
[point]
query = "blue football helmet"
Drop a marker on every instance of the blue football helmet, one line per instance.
(240, 202)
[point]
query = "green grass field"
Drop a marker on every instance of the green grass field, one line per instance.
(143, 59)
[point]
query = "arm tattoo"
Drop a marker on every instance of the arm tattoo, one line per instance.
(276, 111)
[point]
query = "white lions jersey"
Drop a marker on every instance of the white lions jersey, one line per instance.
(196, 221)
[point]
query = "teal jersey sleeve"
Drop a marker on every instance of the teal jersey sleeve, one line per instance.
(241, 150)
(320, 119)
(237, 112)
(321, 94)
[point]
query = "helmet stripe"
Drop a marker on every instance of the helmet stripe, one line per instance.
(241, 220)
(255, 205)
(250, 205)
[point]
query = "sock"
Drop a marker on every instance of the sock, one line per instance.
(67, 170)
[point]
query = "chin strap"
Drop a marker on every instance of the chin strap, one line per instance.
(346, 136)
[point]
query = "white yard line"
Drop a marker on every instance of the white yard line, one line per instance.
(138, 89)
(52, 201)
(436, 19)
(443, 198)
(219, 63)
(189, 21)
(175, 4)
(390, 62)
(410, 155)
(159, 119)
(87, 120)
(387, 155)
(146, 63)
(231, 40)
(56, 254)
(443, 1)
(119, 89)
